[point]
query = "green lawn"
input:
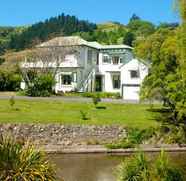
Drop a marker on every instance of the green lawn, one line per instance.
(45, 111)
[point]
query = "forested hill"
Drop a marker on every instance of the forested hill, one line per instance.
(19, 38)
(55, 26)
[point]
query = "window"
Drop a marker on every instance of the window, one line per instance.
(106, 59)
(115, 60)
(116, 81)
(97, 59)
(90, 56)
(134, 74)
(66, 79)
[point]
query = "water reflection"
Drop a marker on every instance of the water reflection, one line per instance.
(96, 167)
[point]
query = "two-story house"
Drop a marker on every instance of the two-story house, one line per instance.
(96, 67)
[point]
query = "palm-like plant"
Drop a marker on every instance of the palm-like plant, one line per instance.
(21, 162)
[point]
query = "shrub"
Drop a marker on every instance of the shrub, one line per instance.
(134, 169)
(166, 171)
(12, 101)
(9, 80)
(134, 138)
(171, 134)
(41, 86)
(139, 168)
(84, 115)
(20, 161)
(96, 99)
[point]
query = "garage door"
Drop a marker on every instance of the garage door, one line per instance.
(131, 92)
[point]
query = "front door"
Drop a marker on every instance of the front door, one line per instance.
(98, 83)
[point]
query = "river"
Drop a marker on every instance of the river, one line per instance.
(97, 167)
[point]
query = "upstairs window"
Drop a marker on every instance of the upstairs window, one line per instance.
(134, 74)
(106, 59)
(66, 79)
(116, 81)
(115, 60)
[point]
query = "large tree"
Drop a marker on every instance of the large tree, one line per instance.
(166, 49)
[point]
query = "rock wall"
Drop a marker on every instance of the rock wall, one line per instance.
(64, 135)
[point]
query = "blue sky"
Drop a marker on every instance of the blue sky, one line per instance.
(26, 12)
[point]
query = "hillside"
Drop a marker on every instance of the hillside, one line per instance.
(20, 38)
(62, 25)
(110, 26)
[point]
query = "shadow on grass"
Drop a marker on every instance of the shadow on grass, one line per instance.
(159, 110)
(101, 107)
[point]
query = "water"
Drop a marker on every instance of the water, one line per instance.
(97, 167)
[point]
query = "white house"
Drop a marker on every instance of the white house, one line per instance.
(96, 67)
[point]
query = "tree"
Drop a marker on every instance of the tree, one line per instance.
(141, 28)
(129, 38)
(48, 59)
(167, 76)
(62, 25)
(134, 17)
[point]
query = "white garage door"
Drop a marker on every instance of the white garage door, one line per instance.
(131, 92)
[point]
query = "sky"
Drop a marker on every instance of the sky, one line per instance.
(27, 12)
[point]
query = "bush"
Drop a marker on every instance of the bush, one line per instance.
(134, 169)
(165, 171)
(172, 134)
(96, 99)
(139, 168)
(20, 161)
(9, 80)
(84, 115)
(12, 101)
(134, 138)
(41, 86)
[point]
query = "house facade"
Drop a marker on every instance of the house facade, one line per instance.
(96, 67)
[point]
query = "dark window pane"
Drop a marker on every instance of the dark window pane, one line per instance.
(115, 60)
(134, 74)
(116, 81)
(66, 79)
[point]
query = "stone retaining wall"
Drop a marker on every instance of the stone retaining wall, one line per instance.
(64, 135)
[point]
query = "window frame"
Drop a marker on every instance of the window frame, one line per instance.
(137, 74)
(118, 59)
(62, 79)
(118, 83)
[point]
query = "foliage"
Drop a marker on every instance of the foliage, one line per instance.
(62, 25)
(140, 168)
(171, 134)
(141, 28)
(165, 80)
(20, 161)
(12, 101)
(41, 85)
(96, 99)
(5, 36)
(9, 80)
(134, 138)
(129, 38)
(166, 171)
(84, 115)
(134, 169)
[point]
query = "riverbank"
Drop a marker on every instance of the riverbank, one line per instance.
(100, 149)
(78, 139)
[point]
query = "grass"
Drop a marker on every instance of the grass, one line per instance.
(56, 111)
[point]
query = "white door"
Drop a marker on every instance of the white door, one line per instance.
(131, 92)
